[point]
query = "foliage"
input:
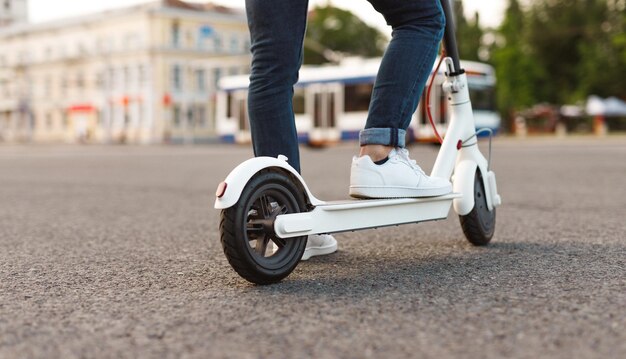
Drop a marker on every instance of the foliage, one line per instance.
(469, 34)
(340, 31)
(516, 70)
(545, 51)
(560, 51)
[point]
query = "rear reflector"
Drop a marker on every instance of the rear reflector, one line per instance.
(221, 189)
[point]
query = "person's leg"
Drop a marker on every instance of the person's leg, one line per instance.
(384, 169)
(277, 33)
(417, 31)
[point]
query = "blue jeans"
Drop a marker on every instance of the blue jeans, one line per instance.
(277, 30)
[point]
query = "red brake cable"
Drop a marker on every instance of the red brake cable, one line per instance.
(430, 86)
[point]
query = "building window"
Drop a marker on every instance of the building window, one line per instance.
(49, 123)
(100, 80)
(66, 119)
(140, 112)
(80, 81)
(32, 117)
(141, 75)
(48, 86)
(111, 78)
(61, 52)
(177, 77)
(200, 80)
(127, 75)
(104, 45)
(64, 85)
(202, 120)
(217, 73)
(234, 44)
(217, 43)
(23, 57)
(175, 33)
(190, 116)
(176, 115)
(81, 49)
(131, 41)
(205, 35)
(188, 37)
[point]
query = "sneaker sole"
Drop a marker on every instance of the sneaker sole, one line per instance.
(318, 251)
(396, 192)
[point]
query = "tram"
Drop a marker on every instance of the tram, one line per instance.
(331, 102)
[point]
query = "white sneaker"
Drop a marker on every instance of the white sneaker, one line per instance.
(319, 244)
(399, 177)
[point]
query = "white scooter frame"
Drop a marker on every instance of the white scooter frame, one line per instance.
(459, 153)
(459, 160)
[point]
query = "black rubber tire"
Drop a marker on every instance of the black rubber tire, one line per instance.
(240, 227)
(480, 224)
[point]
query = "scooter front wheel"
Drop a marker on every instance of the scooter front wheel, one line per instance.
(247, 229)
(480, 224)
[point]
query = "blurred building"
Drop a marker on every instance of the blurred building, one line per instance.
(142, 74)
(13, 12)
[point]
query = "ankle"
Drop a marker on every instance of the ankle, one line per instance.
(376, 152)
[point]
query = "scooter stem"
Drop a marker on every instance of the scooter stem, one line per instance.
(461, 127)
(449, 36)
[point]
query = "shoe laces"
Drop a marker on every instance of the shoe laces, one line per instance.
(403, 155)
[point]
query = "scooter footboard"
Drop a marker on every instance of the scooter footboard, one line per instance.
(334, 217)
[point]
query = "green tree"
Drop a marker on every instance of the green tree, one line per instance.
(560, 51)
(331, 30)
(556, 29)
(602, 66)
(617, 13)
(516, 69)
(574, 41)
(619, 38)
(469, 34)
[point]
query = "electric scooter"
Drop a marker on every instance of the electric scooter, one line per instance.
(267, 210)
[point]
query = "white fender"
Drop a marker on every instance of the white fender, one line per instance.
(463, 183)
(239, 177)
(493, 198)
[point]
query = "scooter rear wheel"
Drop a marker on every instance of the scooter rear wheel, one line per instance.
(480, 224)
(247, 229)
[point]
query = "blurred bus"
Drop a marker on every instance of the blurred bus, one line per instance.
(331, 102)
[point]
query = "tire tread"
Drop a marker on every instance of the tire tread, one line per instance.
(234, 247)
(471, 223)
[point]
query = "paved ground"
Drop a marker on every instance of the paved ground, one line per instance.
(114, 252)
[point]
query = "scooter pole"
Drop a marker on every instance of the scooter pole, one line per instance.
(459, 152)
(449, 37)
(461, 115)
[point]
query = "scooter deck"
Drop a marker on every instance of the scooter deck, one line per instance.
(351, 215)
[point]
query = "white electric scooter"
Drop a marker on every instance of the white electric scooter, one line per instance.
(267, 210)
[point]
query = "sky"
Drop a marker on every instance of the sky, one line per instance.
(44, 10)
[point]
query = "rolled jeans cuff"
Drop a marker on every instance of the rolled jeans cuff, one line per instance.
(394, 137)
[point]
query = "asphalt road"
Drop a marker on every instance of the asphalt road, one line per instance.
(113, 252)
